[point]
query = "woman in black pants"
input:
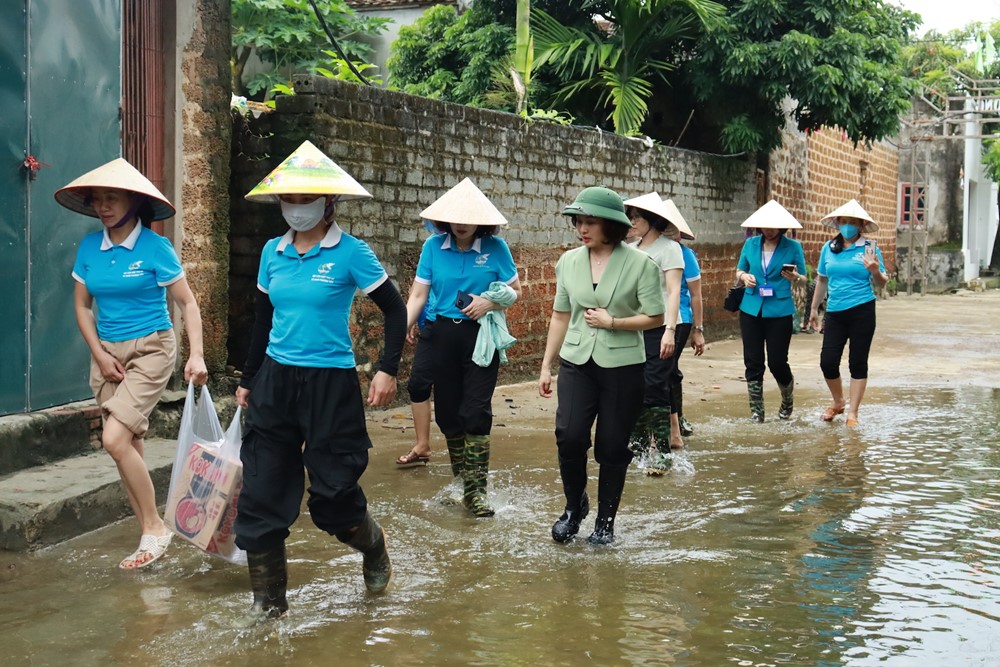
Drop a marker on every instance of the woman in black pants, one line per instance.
(848, 267)
(769, 265)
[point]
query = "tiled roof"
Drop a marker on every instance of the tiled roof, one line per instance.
(393, 4)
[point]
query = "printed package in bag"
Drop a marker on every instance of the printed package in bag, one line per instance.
(206, 479)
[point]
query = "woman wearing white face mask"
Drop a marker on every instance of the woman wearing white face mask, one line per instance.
(848, 267)
(300, 385)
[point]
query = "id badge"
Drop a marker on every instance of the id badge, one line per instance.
(765, 291)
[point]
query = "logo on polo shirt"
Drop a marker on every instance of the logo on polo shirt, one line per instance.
(321, 271)
(482, 259)
(134, 270)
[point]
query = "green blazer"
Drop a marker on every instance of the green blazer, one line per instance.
(629, 286)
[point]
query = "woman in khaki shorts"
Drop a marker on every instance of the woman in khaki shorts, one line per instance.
(127, 268)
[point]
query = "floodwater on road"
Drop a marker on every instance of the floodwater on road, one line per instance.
(798, 543)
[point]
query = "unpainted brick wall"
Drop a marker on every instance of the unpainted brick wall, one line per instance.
(407, 151)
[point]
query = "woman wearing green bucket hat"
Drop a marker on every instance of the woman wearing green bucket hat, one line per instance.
(607, 293)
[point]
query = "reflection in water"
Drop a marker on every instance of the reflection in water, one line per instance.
(784, 544)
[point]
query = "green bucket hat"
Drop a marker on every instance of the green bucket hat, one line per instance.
(600, 203)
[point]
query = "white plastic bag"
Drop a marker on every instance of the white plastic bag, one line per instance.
(206, 480)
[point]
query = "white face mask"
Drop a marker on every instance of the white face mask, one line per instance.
(303, 217)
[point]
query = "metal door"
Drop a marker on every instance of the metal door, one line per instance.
(69, 120)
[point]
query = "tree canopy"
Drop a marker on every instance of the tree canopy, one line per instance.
(287, 38)
(714, 76)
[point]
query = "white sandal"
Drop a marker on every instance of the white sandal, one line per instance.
(154, 545)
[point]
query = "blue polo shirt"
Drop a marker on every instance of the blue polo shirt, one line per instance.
(849, 283)
(449, 270)
(312, 296)
(692, 272)
(128, 282)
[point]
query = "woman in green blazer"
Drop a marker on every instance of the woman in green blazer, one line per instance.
(769, 265)
(607, 293)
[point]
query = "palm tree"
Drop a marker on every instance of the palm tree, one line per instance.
(619, 60)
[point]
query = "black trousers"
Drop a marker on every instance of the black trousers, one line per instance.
(463, 391)
(289, 406)
(774, 333)
(656, 371)
(856, 325)
(681, 335)
(611, 396)
(422, 370)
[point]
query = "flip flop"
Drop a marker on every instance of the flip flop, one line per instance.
(411, 460)
(830, 413)
(154, 545)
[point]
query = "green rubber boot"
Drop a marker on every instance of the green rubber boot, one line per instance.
(269, 582)
(639, 441)
(755, 390)
(787, 400)
(477, 467)
(369, 539)
(456, 452)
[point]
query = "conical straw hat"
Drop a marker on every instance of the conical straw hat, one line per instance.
(679, 222)
(651, 203)
(307, 171)
(851, 209)
(771, 215)
(464, 204)
(117, 174)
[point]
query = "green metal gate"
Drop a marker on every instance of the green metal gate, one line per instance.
(60, 65)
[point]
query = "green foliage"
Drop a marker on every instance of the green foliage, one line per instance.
(447, 56)
(619, 63)
(835, 60)
(286, 36)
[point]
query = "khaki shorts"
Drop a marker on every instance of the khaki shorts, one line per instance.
(149, 362)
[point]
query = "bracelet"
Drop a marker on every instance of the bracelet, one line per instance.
(612, 322)
(671, 328)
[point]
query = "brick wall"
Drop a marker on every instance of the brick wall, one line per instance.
(407, 151)
(815, 174)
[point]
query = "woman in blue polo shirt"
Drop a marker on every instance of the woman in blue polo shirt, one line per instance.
(300, 383)
(606, 294)
(849, 266)
(769, 265)
(127, 269)
(690, 323)
(454, 270)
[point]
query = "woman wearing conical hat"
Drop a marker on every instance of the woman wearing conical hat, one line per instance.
(127, 270)
(300, 385)
(469, 275)
(769, 265)
(690, 324)
(849, 266)
(654, 234)
(606, 294)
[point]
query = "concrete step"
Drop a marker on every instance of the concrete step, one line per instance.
(50, 503)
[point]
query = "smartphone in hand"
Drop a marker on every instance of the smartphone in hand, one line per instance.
(788, 267)
(463, 300)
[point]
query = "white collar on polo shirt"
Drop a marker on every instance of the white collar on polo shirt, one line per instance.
(475, 244)
(331, 239)
(129, 241)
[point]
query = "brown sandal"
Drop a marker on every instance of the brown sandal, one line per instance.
(411, 459)
(830, 413)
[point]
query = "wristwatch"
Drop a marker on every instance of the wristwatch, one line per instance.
(700, 328)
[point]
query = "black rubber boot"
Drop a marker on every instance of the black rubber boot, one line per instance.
(677, 405)
(369, 539)
(755, 393)
(610, 484)
(475, 475)
(269, 582)
(787, 399)
(574, 479)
